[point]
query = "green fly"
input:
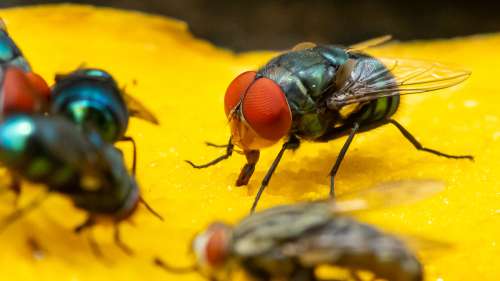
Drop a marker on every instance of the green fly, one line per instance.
(320, 93)
(92, 100)
(52, 151)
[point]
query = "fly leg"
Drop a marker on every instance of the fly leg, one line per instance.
(15, 186)
(19, 213)
(134, 152)
(340, 157)
(304, 274)
(292, 143)
(87, 225)
(118, 241)
(211, 144)
(229, 152)
(355, 275)
(37, 252)
(150, 209)
(419, 146)
(215, 145)
(94, 247)
(247, 170)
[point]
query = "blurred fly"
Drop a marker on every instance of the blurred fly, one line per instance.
(92, 100)
(52, 151)
(320, 93)
(289, 242)
(21, 90)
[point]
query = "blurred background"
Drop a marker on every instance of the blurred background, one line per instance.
(258, 24)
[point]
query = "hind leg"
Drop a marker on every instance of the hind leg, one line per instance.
(420, 147)
(87, 225)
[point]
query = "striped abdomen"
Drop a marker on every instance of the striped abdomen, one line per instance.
(353, 245)
(376, 111)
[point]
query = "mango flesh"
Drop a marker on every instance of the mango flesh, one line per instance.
(183, 80)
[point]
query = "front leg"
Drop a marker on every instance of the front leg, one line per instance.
(292, 143)
(118, 241)
(134, 152)
(87, 225)
(340, 157)
(247, 170)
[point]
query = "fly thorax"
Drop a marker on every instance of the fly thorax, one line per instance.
(91, 101)
(100, 113)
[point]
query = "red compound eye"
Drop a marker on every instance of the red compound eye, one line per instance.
(266, 109)
(39, 85)
(18, 93)
(216, 249)
(236, 89)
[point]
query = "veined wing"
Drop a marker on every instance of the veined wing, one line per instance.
(366, 78)
(386, 194)
(370, 43)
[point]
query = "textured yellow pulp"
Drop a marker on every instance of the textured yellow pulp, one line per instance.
(183, 80)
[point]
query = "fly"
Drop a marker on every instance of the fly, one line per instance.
(289, 242)
(320, 93)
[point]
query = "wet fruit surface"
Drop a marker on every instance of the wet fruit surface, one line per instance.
(183, 81)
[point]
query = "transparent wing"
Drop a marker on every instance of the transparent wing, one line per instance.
(137, 109)
(387, 194)
(328, 243)
(370, 78)
(370, 43)
(303, 46)
(426, 248)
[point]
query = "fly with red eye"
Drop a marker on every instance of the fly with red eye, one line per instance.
(259, 116)
(320, 93)
(290, 242)
(21, 90)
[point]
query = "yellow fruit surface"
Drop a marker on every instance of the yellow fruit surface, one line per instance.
(183, 80)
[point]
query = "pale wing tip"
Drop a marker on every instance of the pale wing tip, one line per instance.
(422, 185)
(148, 117)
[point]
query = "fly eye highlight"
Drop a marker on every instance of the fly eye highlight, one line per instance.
(236, 89)
(266, 109)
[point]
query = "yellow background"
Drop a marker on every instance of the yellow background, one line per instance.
(183, 80)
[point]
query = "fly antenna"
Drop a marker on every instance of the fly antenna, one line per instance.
(150, 209)
(175, 269)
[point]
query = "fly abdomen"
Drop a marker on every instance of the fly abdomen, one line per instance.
(376, 111)
(359, 246)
